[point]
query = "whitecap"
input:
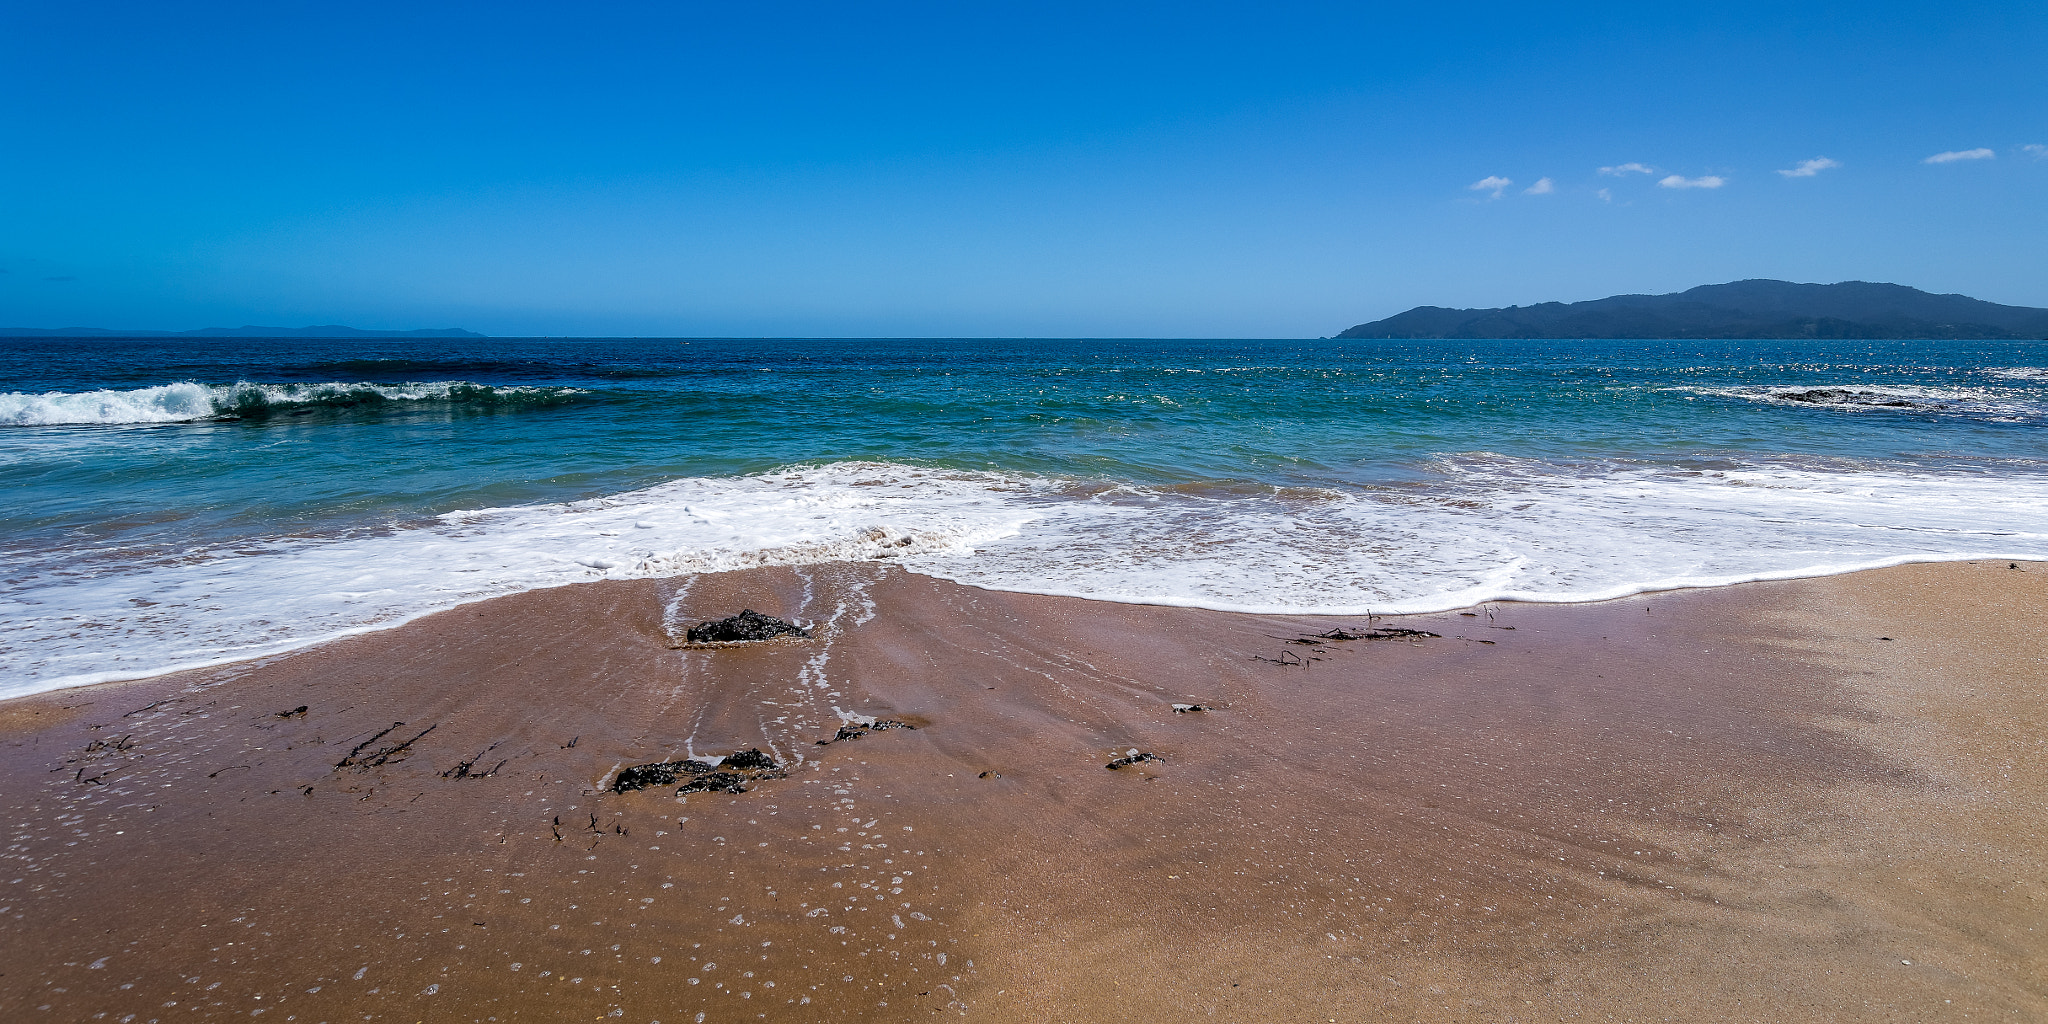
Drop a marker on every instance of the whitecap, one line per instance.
(188, 401)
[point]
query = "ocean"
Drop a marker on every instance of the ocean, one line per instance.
(172, 503)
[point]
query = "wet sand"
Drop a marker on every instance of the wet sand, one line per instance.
(1816, 800)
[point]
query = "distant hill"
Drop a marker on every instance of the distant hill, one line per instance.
(1739, 309)
(328, 331)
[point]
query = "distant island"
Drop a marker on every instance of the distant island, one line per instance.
(1758, 309)
(327, 331)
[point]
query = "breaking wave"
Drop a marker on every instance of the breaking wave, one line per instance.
(187, 401)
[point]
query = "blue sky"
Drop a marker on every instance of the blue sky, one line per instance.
(1181, 169)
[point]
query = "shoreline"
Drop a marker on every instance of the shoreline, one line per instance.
(295, 647)
(1548, 811)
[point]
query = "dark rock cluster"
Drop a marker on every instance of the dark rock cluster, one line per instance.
(1843, 396)
(746, 626)
(1133, 758)
(731, 774)
(855, 730)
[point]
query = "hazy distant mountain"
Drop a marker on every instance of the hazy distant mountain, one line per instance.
(1740, 309)
(328, 331)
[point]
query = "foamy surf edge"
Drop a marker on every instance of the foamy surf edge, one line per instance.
(1492, 528)
(277, 650)
(1464, 602)
(1393, 609)
(1993, 403)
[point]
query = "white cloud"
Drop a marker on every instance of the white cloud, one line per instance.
(1704, 181)
(1809, 168)
(1960, 154)
(1493, 183)
(2040, 152)
(1543, 187)
(1606, 196)
(1621, 170)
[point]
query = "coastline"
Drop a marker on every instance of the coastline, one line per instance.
(1437, 605)
(1734, 803)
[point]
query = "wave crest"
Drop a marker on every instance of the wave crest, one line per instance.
(188, 401)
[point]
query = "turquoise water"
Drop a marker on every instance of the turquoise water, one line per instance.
(348, 485)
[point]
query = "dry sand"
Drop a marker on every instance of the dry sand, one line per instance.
(1814, 800)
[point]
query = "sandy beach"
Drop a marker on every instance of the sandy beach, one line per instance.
(1815, 800)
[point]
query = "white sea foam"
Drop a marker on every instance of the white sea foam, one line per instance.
(2004, 404)
(186, 401)
(168, 403)
(1488, 527)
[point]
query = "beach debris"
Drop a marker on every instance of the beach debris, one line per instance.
(297, 712)
(94, 756)
(715, 782)
(749, 626)
(1182, 709)
(647, 776)
(600, 830)
(361, 761)
(750, 760)
(97, 780)
(1374, 633)
(1346, 635)
(1133, 756)
(857, 727)
(728, 774)
(467, 769)
(1340, 635)
(1286, 658)
(991, 774)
